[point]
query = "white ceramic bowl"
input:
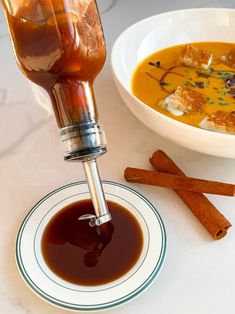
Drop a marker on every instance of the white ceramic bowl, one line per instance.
(164, 30)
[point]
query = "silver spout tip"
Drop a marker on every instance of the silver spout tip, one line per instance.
(103, 219)
(96, 221)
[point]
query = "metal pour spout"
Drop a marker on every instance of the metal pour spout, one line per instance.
(102, 214)
(84, 143)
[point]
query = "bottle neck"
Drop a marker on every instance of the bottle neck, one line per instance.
(73, 102)
(75, 110)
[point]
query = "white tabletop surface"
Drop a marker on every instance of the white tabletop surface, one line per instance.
(199, 273)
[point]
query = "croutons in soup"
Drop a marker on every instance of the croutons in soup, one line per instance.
(192, 83)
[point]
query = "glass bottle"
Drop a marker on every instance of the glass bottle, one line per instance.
(59, 45)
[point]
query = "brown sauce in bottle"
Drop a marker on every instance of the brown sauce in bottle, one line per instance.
(59, 45)
(91, 256)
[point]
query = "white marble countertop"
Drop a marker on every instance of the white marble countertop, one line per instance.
(199, 273)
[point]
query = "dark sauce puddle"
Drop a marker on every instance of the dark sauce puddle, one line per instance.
(91, 256)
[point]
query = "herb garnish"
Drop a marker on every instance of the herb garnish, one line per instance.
(163, 83)
(199, 84)
(204, 73)
(223, 91)
(188, 84)
(155, 64)
(230, 82)
(223, 103)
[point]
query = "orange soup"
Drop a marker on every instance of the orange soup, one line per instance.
(159, 75)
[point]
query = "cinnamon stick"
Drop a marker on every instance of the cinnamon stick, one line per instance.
(178, 182)
(215, 223)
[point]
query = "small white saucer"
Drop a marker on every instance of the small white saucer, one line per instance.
(61, 293)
